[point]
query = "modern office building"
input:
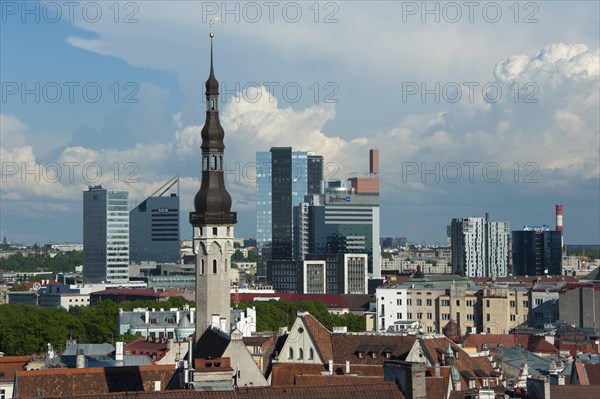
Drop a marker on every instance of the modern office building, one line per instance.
(346, 223)
(284, 177)
(154, 226)
(105, 235)
(321, 274)
(536, 250)
(479, 247)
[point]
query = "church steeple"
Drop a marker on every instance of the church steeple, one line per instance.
(212, 220)
(213, 198)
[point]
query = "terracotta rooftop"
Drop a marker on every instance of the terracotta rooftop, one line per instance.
(573, 391)
(9, 365)
(593, 373)
(68, 383)
(141, 346)
(532, 343)
(470, 368)
(346, 347)
(367, 391)
(320, 335)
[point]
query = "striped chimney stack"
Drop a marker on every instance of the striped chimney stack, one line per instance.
(559, 225)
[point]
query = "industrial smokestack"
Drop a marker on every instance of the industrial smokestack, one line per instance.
(559, 225)
(374, 161)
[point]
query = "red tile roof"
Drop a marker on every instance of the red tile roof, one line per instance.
(141, 346)
(9, 366)
(573, 391)
(321, 336)
(593, 373)
(532, 343)
(345, 347)
(67, 383)
(473, 366)
(379, 390)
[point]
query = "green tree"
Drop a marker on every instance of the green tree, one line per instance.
(18, 288)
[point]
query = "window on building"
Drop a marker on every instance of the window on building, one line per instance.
(399, 316)
(429, 316)
(214, 266)
(291, 354)
(513, 304)
(487, 317)
(300, 354)
(311, 354)
(445, 302)
(419, 302)
(215, 231)
(409, 315)
(429, 302)
(513, 317)
(539, 301)
(409, 302)
(419, 315)
(525, 304)
(487, 303)
(457, 302)
(399, 302)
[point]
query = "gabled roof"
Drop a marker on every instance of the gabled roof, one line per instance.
(9, 365)
(437, 387)
(346, 346)
(212, 344)
(320, 335)
(465, 364)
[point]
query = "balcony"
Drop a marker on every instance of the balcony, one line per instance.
(208, 218)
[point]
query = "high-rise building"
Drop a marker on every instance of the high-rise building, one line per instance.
(212, 221)
(105, 235)
(348, 220)
(154, 226)
(284, 177)
(536, 250)
(479, 247)
(346, 223)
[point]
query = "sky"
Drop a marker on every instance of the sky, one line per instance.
(475, 107)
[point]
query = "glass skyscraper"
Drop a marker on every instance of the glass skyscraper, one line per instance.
(536, 251)
(284, 177)
(105, 235)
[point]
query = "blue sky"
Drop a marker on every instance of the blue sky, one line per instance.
(371, 74)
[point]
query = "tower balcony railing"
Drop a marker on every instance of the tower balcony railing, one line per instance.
(213, 218)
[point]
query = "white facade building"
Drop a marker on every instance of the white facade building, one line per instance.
(392, 306)
(479, 247)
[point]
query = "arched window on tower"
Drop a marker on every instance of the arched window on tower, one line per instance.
(311, 354)
(202, 268)
(214, 266)
(291, 355)
(300, 354)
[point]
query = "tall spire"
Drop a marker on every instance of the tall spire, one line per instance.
(212, 197)
(212, 85)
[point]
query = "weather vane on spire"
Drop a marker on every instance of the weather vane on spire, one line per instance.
(211, 24)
